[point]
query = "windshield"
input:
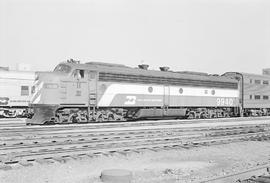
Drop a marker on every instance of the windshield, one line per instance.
(62, 68)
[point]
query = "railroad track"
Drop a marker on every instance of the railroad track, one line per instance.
(110, 142)
(20, 131)
(38, 144)
(103, 135)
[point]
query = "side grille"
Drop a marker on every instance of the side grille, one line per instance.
(113, 77)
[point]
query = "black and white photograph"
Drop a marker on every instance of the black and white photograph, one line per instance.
(134, 91)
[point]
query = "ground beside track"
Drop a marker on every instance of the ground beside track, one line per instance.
(183, 165)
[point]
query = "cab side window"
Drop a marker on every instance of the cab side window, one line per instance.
(79, 74)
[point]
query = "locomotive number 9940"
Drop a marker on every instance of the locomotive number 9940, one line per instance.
(224, 102)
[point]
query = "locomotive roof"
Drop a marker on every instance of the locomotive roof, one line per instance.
(122, 69)
(252, 75)
(262, 76)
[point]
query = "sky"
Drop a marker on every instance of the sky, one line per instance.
(213, 36)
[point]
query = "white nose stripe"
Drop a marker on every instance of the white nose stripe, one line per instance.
(37, 99)
(37, 91)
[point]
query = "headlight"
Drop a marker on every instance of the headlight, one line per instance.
(51, 85)
(36, 77)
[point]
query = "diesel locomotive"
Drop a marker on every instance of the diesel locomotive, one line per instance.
(97, 92)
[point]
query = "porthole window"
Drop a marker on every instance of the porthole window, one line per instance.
(213, 92)
(150, 89)
(181, 90)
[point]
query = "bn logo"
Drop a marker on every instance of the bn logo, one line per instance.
(130, 100)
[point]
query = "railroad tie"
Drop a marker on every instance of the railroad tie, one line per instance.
(60, 159)
(25, 163)
(44, 161)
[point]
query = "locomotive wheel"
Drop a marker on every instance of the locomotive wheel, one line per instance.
(81, 119)
(191, 115)
(213, 116)
(72, 118)
(49, 123)
(10, 115)
(56, 120)
(100, 119)
(111, 117)
(204, 115)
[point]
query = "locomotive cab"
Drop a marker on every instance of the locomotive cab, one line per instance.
(57, 93)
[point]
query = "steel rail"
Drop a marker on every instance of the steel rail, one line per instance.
(66, 149)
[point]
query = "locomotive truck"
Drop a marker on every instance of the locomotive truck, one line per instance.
(97, 92)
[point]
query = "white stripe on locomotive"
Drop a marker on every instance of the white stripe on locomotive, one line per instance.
(37, 99)
(38, 87)
(129, 89)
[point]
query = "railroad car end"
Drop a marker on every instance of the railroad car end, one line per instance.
(254, 93)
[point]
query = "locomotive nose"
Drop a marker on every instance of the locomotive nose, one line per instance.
(45, 91)
(44, 82)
